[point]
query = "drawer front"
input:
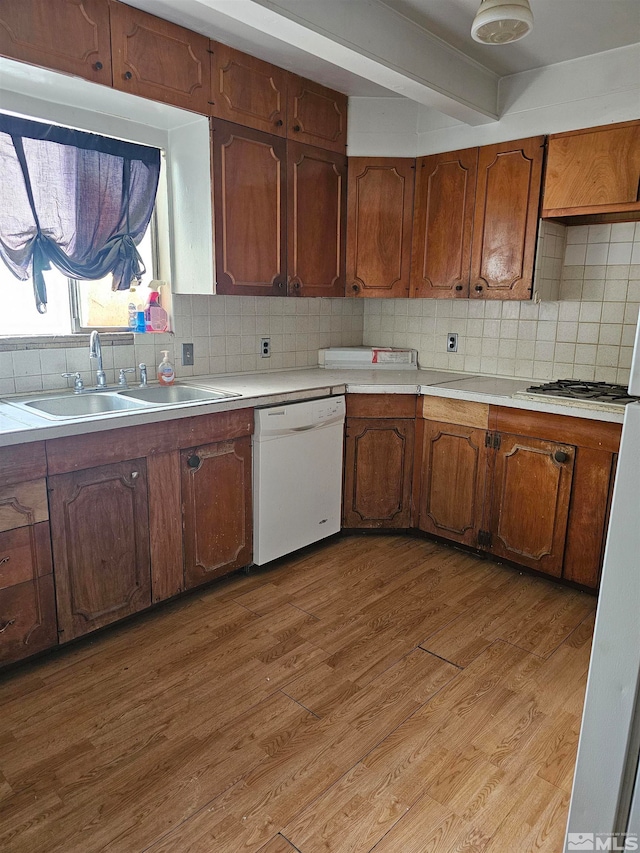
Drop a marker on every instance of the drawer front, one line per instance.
(25, 554)
(27, 619)
(23, 504)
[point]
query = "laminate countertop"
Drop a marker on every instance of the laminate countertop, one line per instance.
(18, 425)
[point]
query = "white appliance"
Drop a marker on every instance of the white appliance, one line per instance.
(297, 476)
(391, 358)
(605, 802)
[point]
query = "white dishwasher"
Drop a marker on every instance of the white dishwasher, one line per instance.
(297, 476)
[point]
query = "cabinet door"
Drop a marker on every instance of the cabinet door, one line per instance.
(100, 526)
(506, 219)
(316, 214)
(216, 499)
(68, 35)
(380, 213)
(452, 493)
(316, 115)
(530, 502)
(378, 472)
(249, 201)
(27, 606)
(247, 90)
(442, 225)
(159, 60)
(593, 171)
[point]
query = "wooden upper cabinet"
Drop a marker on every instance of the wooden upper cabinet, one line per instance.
(442, 225)
(159, 60)
(216, 499)
(529, 510)
(100, 529)
(316, 115)
(316, 213)
(379, 218)
(594, 172)
(247, 90)
(506, 219)
(249, 174)
(66, 35)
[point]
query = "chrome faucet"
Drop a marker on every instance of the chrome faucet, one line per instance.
(95, 351)
(143, 375)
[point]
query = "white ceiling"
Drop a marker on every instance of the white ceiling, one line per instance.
(563, 29)
(418, 49)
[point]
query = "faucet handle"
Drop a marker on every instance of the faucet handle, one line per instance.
(143, 375)
(78, 384)
(122, 379)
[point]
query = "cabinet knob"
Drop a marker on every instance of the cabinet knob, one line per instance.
(98, 66)
(134, 475)
(128, 75)
(4, 560)
(458, 287)
(560, 456)
(280, 285)
(297, 128)
(193, 461)
(355, 288)
(478, 288)
(279, 123)
(296, 285)
(7, 624)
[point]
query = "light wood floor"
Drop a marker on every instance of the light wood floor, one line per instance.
(380, 693)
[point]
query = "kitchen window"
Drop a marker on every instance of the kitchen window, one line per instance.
(77, 203)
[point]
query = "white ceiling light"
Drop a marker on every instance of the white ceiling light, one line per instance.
(502, 21)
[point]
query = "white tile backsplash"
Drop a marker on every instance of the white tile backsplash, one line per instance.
(583, 328)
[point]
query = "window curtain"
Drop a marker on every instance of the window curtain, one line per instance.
(76, 200)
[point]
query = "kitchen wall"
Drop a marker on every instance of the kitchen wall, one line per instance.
(225, 331)
(587, 332)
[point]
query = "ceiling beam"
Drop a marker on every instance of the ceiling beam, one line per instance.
(367, 38)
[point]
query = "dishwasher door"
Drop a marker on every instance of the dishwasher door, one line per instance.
(297, 476)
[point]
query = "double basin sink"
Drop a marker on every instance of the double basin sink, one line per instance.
(90, 403)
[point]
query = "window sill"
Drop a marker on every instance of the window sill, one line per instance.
(11, 343)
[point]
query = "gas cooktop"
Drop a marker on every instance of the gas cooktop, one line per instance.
(596, 393)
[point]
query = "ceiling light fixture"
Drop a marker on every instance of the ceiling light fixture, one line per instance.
(502, 21)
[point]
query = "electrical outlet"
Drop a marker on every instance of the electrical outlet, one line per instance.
(187, 354)
(265, 347)
(452, 342)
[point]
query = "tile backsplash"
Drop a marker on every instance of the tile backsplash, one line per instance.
(588, 279)
(225, 331)
(584, 328)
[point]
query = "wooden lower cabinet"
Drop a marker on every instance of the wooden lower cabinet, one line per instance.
(100, 526)
(379, 453)
(216, 500)
(529, 505)
(27, 605)
(451, 501)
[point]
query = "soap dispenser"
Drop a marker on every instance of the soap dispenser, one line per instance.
(166, 373)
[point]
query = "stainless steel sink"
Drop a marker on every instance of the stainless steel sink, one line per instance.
(78, 405)
(166, 395)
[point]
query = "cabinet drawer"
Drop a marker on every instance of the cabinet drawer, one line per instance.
(23, 504)
(25, 553)
(460, 412)
(27, 619)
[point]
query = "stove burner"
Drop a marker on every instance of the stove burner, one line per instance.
(576, 389)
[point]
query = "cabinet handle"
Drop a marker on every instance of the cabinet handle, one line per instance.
(478, 288)
(355, 288)
(4, 560)
(134, 475)
(297, 128)
(7, 624)
(458, 287)
(296, 285)
(280, 285)
(193, 461)
(279, 123)
(561, 456)
(98, 66)
(128, 75)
